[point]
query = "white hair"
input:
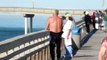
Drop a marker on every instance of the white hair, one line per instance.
(86, 12)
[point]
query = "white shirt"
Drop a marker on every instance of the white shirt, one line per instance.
(64, 21)
(68, 25)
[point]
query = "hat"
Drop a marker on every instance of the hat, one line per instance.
(86, 12)
(67, 14)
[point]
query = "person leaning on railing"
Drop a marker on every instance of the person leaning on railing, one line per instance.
(54, 25)
(67, 35)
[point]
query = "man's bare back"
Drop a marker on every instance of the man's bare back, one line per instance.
(54, 24)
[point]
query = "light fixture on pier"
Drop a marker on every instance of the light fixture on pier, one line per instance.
(33, 3)
(103, 3)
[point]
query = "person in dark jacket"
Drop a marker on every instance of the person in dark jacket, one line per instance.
(93, 19)
(87, 19)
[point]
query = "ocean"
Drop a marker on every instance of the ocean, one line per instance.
(6, 33)
(12, 24)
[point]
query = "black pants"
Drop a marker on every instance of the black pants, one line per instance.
(55, 41)
(88, 28)
(94, 24)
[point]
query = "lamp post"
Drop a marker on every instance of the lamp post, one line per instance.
(103, 4)
(33, 4)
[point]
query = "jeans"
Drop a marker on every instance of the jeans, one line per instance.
(69, 51)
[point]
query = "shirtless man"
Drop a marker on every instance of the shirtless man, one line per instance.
(54, 25)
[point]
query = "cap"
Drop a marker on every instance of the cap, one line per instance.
(67, 14)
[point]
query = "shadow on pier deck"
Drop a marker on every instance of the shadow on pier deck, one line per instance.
(90, 46)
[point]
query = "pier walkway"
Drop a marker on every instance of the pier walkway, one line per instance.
(90, 46)
(35, 46)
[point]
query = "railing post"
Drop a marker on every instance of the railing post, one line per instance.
(45, 54)
(28, 58)
(37, 56)
(43, 57)
(48, 53)
(31, 28)
(32, 57)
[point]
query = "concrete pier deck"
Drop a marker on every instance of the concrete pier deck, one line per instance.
(90, 49)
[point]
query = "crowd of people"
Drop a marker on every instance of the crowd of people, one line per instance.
(61, 27)
(98, 19)
(103, 49)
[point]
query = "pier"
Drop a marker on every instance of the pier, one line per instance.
(32, 46)
(35, 46)
(41, 10)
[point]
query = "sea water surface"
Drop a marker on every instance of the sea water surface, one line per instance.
(12, 24)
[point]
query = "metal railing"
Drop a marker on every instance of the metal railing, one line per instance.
(22, 47)
(33, 46)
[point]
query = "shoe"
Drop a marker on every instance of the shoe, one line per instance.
(72, 56)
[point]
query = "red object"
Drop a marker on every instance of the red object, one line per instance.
(104, 44)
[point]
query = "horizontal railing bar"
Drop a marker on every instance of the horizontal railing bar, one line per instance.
(33, 52)
(18, 42)
(22, 50)
(19, 37)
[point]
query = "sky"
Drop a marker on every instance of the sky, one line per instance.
(57, 4)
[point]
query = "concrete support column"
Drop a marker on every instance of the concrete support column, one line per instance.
(31, 27)
(26, 25)
(26, 22)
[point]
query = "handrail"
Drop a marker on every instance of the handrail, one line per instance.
(31, 46)
(22, 44)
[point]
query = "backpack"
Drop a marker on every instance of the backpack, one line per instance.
(76, 30)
